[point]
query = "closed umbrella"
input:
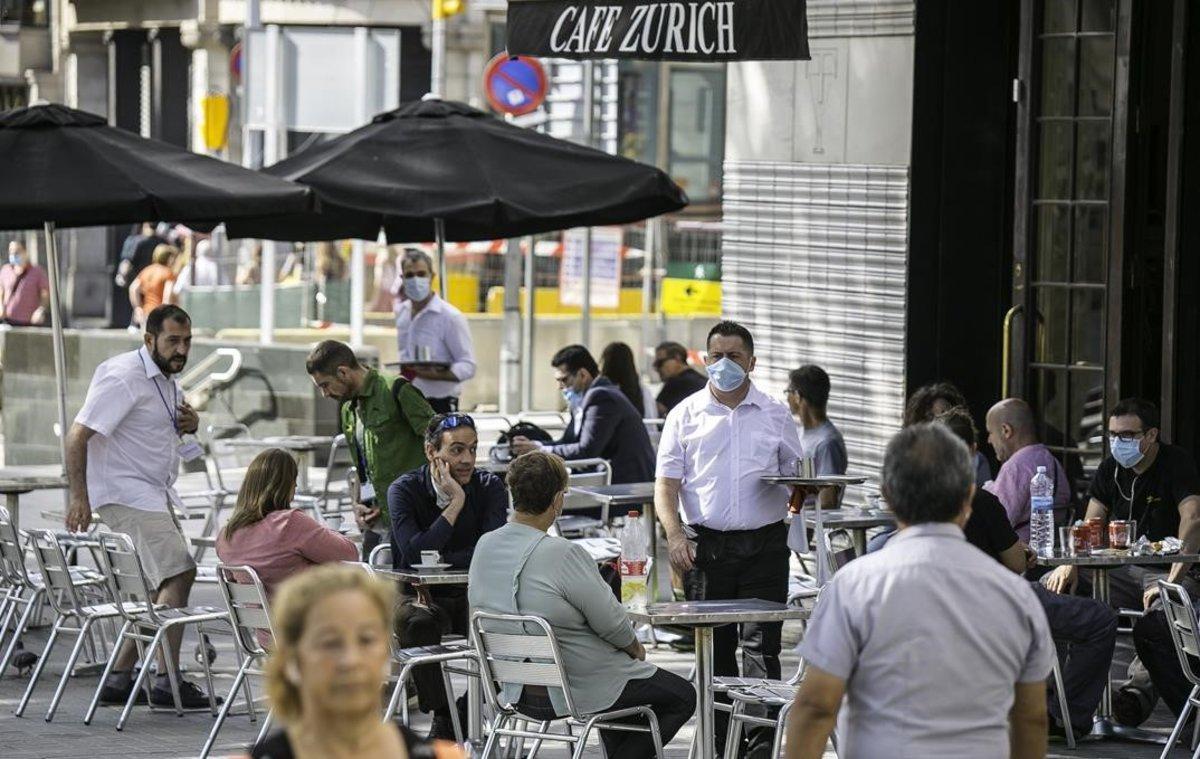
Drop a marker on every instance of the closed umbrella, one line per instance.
(60, 167)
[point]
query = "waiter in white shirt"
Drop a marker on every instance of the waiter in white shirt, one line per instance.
(430, 330)
(123, 454)
(716, 447)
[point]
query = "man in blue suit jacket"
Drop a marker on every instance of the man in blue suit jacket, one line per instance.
(604, 424)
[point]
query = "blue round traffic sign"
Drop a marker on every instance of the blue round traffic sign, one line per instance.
(514, 84)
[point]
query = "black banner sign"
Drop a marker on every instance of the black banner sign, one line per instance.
(699, 30)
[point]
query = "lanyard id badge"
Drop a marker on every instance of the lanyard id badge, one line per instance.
(189, 448)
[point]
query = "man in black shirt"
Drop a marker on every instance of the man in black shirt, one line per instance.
(444, 506)
(1155, 483)
(679, 379)
(1088, 625)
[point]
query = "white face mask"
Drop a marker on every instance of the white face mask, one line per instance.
(417, 288)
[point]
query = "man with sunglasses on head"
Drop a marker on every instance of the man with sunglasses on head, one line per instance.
(433, 333)
(1156, 484)
(447, 505)
(384, 419)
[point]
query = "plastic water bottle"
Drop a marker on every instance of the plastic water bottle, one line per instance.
(634, 562)
(1041, 513)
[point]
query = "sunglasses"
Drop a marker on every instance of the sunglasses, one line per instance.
(454, 421)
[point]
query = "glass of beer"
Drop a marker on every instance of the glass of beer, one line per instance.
(1120, 533)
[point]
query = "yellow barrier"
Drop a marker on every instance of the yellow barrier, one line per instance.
(546, 302)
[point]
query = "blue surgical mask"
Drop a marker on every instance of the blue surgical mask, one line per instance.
(726, 375)
(417, 288)
(573, 397)
(1127, 452)
(14, 259)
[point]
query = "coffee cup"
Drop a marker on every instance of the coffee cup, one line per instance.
(430, 557)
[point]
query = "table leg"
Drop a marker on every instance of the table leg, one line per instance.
(1104, 726)
(822, 549)
(302, 465)
(705, 717)
(13, 502)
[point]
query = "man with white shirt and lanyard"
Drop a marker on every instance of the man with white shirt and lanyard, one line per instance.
(123, 454)
(430, 330)
(716, 447)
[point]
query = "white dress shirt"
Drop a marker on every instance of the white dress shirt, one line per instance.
(721, 454)
(133, 459)
(443, 329)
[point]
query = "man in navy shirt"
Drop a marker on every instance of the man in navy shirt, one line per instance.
(444, 506)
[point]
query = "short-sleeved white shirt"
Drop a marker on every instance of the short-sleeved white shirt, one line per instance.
(443, 329)
(931, 636)
(720, 455)
(133, 459)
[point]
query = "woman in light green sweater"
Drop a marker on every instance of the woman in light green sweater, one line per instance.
(520, 569)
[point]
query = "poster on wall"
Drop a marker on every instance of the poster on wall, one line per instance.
(708, 30)
(606, 267)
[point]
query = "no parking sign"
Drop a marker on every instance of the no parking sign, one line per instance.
(515, 85)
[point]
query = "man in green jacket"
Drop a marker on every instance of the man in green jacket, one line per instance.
(384, 420)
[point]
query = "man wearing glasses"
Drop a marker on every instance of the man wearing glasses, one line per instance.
(1155, 483)
(604, 424)
(446, 506)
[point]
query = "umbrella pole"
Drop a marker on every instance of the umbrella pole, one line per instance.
(529, 325)
(56, 334)
(439, 233)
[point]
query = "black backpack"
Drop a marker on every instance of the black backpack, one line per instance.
(529, 430)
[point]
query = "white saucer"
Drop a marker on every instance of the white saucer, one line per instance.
(431, 566)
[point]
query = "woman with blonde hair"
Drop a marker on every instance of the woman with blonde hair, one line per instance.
(332, 654)
(267, 534)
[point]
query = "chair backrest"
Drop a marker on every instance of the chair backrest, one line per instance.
(249, 612)
(517, 649)
(125, 575)
(12, 552)
(56, 572)
(599, 473)
(1181, 621)
(381, 556)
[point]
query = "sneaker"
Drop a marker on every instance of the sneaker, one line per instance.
(112, 695)
(1131, 707)
(190, 696)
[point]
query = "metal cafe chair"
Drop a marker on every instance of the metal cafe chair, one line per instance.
(25, 590)
(1185, 633)
(518, 657)
(249, 613)
(75, 616)
(146, 624)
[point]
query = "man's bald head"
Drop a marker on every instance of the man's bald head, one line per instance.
(1011, 427)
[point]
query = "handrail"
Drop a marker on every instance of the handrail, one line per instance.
(1007, 348)
(203, 380)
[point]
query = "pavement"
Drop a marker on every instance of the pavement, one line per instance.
(163, 734)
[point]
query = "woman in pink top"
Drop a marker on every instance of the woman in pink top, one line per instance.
(266, 534)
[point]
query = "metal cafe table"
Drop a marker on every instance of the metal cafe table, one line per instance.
(856, 521)
(703, 616)
(1101, 564)
(818, 518)
(621, 497)
(304, 446)
(14, 485)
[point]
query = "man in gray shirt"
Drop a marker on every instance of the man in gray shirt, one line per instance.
(807, 396)
(938, 650)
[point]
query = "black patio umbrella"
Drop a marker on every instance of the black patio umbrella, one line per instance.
(60, 167)
(435, 163)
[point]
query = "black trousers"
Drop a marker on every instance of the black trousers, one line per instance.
(447, 405)
(742, 564)
(669, 696)
(421, 625)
